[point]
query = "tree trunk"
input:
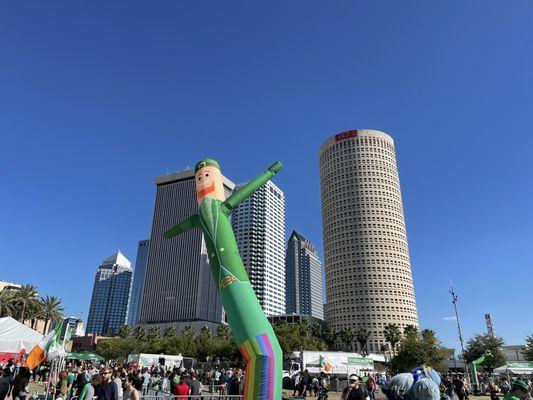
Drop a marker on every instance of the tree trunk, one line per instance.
(45, 326)
(22, 314)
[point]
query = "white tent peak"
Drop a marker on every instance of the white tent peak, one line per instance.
(15, 336)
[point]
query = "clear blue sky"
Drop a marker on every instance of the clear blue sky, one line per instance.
(97, 98)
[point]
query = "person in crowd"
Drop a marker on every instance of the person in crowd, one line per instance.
(87, 391)
(182, 389)
(296, 383)
(354, 391)
(5, 382)
(234, 386)
(109, 388)
(146, 381)
(96, 382)
(130, 392)
(371, 387)
(459, 386)
(505, 386)
(118, 381)
(493, 390)
(196, 386)
(519, 391)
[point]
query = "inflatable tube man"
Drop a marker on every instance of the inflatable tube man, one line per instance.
(252, 331)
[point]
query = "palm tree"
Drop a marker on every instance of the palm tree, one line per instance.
(34, 312)
(6, 303)
(223, 332)
(25, 296)
(139, 333)
(170, 331)
(189, 332)
(392, 335)
(51, 311)
(362, 336)
(125, 331)
(305, 328)
(330, 337)
(316, 330)
(410, 331)
(347, 336)
(153, 332)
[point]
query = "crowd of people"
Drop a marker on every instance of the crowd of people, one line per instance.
(119, 382)
(130, 382)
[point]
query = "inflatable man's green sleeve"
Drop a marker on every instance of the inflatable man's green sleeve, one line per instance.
(252, 331)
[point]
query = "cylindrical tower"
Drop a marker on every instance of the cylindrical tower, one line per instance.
(368, 272)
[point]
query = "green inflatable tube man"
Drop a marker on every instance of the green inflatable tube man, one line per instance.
(252, 331)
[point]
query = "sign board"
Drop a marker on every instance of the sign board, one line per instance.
(345, 135)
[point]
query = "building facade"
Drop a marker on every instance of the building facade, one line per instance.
(259, 226)
(111, 293)
(368, 271)
(138, 282)
(179, 289)
(303, 278)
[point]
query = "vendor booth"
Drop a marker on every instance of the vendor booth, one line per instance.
(519, 368)
(16, 339)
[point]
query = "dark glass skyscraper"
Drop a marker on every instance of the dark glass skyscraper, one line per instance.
(111, 292)
(138, 282)
(303, 277)
(178, 285)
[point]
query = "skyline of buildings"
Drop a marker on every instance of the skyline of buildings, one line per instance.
(110, 297)
(303, 271)
(259, 228)
(368, 275)
(178, 287)
(138, 281)
(366, 257)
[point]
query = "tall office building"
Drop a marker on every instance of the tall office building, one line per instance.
(259, 226)
(368, 272)
(138, 281)
(179, 289)
(111, 292)
(303, 278)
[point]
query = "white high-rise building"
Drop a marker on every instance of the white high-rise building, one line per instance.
(259, 226)
(368, 271)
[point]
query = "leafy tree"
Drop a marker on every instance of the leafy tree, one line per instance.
(6, 303)
(139, 333)
(118, 349)
(347, 336)
(204, 343)
(52, 311)
(170, 331)
(154, 332)
(290, 338)
(528, 350)
(25, 297)
(392, 335)
(125, 332)
(419, 348)
(479, 344)
(362, 336)
(305, 328)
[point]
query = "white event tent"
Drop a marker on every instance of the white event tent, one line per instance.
(15, 337)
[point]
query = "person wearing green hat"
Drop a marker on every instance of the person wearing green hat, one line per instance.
(252, 331)
(519, 391)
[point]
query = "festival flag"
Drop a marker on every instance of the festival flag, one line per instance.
(324, 364)
(57, 346)
(38, 353)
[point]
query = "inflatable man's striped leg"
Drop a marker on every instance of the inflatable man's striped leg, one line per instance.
(263, 359)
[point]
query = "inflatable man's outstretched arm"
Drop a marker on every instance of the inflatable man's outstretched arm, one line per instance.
(192, 222)
(242, 194)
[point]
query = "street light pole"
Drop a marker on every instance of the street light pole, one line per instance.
(454, 301)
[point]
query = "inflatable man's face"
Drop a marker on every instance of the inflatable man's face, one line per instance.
(209, 183)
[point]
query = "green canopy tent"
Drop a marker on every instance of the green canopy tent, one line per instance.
(84, 356)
